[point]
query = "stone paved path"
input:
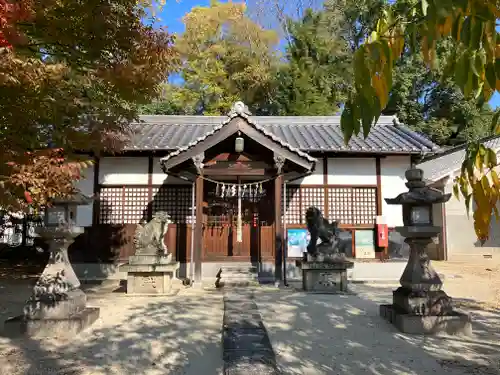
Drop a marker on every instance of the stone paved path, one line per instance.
(246, 346)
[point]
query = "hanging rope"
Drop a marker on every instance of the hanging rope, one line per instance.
(236, 184)
(229, 189)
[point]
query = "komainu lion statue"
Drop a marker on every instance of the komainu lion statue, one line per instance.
(149, 238)
(320, 228)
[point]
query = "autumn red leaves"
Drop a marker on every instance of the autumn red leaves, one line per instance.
(72, 74)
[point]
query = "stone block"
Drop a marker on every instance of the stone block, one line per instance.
(338, 265)
(422, 303)
(455, 323)
(247, 320)
(250, 363)
(243, 339)
(61, 328)
(150, 259)
(324, 280)
(60, 306)
(168, 268)
(149, 283)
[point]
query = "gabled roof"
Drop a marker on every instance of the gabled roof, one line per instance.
(233, 114)
(238, 120)
(298, 133)
(450, 161)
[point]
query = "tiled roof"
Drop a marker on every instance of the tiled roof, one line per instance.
(257, 126)
(449, 161)
(304, 133)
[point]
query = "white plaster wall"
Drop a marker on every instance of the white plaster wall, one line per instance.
(392, 171)
(316, 178)
(86, 186)
(123, 170)
(160, 178)
(460, 235)
(352, 171)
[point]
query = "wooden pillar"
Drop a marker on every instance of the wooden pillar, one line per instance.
(379, 186)
(278, 182)
(326, 207)
(385, 253)
(96, 203)
(149, 212)
(198, 230)
(444, 237)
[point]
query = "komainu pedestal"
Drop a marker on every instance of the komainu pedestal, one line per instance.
(324, 269)
(151, 270)
(326, 276)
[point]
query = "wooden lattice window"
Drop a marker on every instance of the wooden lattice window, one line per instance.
(135, 204)
(176, 201)
(340, 204)
(364, 209)
(311, 197)
(111, 205)
(292, 208)
(123, 205)
(352, 205)
(299, 199)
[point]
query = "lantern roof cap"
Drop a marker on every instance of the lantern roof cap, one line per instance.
(418, 192)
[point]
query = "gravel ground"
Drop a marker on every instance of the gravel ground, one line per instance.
(478, 280)
(311, 334)
(134, 335)
(315, 334)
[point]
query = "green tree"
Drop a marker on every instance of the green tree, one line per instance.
(429, 102)
(225, 57)
(473, 65)
(173, 100)
(316, 78)
(356, 18)
(71, 74)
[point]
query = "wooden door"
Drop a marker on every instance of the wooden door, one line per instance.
(220, 229)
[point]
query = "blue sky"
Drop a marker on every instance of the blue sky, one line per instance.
(174, 10)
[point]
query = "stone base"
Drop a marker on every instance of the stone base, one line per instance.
(455, 323)
(60, 328)
(325, 277)
(150, 279)
(150, 259)
(152, 267)
(422, 303)
(149, 283)
(66, 304)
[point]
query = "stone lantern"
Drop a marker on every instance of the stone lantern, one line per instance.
(419, 305)
(57, 306)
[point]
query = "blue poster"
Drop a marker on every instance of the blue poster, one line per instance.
(297, 241)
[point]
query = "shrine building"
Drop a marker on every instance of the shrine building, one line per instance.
(247, 180)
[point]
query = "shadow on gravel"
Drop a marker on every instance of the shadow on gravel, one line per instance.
(148, 335)
(337, 334)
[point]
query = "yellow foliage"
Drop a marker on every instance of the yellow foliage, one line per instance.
(472, 26)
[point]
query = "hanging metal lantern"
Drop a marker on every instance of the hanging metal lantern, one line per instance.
(239, 144)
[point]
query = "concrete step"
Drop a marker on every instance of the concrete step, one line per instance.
(242, 276)
(239, 268)
(236, 283)
(237, 276)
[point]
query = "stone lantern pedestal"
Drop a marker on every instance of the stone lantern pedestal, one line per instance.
(57, 306)
(420, 306)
